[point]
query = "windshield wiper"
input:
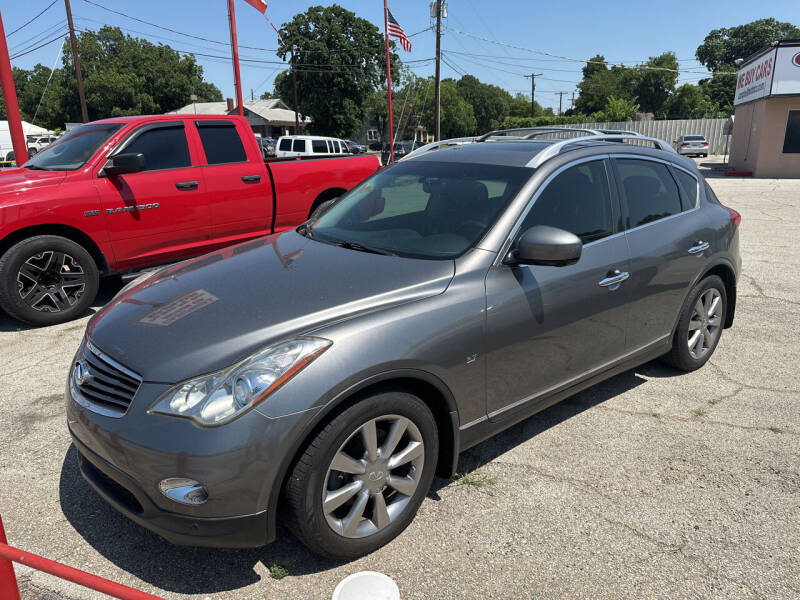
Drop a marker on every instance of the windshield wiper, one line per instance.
(363, 248)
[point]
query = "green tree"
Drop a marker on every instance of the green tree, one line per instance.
(598, 83)
(723, 46)
(620, 109)
(520, 106)
(720, 89)
(457, 118)
(124, 75)
(408, 95)
(689, 102)
(490, 104)
(339, 59)
(653, 83)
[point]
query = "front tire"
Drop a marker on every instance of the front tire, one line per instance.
(47, 279)
(700, 325)
(360, 482)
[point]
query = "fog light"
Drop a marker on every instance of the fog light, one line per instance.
(183, 491)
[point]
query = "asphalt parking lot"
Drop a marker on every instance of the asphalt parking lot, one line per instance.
(653, 484)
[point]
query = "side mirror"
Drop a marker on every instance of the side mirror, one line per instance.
(132, 162)
(548, 246)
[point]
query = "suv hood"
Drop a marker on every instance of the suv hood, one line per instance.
(207, 313)
(18, 180)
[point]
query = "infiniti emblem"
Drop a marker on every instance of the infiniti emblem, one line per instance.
(376, 475)
(82, 374)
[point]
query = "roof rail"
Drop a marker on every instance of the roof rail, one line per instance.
(439, 144)
(535, 131)
(556, 148)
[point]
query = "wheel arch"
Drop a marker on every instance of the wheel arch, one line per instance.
(725, 272)
(65, 231)
(426, 386)
(329, 194)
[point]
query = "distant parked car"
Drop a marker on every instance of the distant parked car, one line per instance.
(310, 145)
(268, 146)
(692, 145)
(400, 150)
(355, 147)
(39, 143)
(376, 146)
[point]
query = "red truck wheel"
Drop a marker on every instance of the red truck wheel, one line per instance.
(46, 280)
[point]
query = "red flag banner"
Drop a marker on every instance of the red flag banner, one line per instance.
(259, 5)
(396, 31)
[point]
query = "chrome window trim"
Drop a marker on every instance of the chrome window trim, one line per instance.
(518, 223)
(668, 164)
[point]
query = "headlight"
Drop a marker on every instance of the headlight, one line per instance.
(220, 397)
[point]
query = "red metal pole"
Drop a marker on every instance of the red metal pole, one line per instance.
(10, 98)
(237, 78)
(388, 78)
(94, 582)
(8, 581)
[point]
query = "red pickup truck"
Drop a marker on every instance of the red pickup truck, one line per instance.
(125, 193)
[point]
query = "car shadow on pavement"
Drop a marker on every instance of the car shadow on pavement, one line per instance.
(187, 570)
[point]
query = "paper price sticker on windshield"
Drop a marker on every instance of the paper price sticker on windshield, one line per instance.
(178, 307)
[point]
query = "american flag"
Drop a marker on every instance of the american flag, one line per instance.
(394, 29)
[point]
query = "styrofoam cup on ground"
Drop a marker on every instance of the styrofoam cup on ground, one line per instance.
(366, 585)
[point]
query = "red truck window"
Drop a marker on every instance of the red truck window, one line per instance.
(163, 148)
(221, 142)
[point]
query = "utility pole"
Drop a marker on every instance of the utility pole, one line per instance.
(77, 61)
(237, 77)
(560, 97)
(437, 98)
(572, 102)
(533, 77)
(294, 85)
(10, 98)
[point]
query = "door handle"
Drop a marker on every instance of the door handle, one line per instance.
(699, 247)
(613, 279)
(187, 185)
(251, 178)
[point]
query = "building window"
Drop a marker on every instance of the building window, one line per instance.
(372, 135)
(791, 143)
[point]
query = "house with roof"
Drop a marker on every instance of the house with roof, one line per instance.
(268, 118)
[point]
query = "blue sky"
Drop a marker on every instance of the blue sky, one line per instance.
(622, 30)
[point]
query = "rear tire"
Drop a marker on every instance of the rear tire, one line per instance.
(381, 499)
(700, 325)
(47, 279)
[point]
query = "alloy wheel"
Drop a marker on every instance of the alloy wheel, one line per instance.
(705, 323)
(373, 476)
(51, 281)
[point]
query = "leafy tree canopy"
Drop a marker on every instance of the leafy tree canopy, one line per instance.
(339, 59)
(723, 46)
(490, 104)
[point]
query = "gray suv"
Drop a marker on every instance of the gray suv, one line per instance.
(323, 376)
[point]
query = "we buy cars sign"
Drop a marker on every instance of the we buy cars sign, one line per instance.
(754, 80)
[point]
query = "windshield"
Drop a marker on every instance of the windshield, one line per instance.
(421, 209)
(73, 150)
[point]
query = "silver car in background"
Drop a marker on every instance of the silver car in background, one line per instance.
(692, 145)
(322, 376)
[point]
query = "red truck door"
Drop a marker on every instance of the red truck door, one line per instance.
(238, 185)
(159, 213)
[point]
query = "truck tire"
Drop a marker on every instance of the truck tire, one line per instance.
(47, 279)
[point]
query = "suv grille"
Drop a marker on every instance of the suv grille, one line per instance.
(102, 384)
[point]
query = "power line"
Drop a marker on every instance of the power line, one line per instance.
(21, 54)
(26, 23)
(35, 39)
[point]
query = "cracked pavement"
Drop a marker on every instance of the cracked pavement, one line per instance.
(653, 484)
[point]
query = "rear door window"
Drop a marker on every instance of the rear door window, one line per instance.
(650, 191)
(221, 142)
(688, 189)
(576, 200)
(162, 147)
(299, 146)
(286, 145)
